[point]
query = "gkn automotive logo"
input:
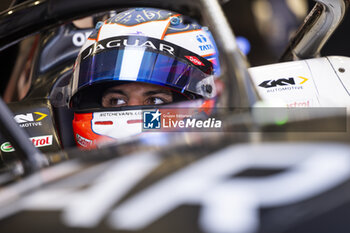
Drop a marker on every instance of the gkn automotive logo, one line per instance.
(151, 119)
(282, 82)
(30, 119)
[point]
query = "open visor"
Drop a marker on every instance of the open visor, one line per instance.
(144, 59)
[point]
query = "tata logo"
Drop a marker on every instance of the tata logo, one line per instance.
(282, 82)
(201, 38)
(30, 119)
(205, 47)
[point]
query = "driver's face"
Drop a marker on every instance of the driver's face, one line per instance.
(134, 94)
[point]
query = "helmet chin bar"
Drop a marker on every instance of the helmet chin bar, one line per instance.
(318, 27)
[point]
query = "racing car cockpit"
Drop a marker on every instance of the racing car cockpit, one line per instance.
(263, 159)
(139, 45)
(42, 80)
(41, 93)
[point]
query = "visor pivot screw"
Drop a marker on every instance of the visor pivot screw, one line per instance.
(99, 24)
(175, 21)
(341, 70)
(208, 88)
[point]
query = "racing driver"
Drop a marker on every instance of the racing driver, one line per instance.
(139, 57)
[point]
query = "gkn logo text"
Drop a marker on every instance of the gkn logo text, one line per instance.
(282, 82)
(30, 119)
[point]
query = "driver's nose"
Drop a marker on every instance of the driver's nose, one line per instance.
(135, 101)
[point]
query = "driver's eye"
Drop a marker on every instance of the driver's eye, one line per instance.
(116, 102)
(156, 101)
(113, 101)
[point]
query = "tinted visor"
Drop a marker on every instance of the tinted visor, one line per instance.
(147, 60)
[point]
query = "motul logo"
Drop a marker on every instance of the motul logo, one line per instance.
(195, 60)
(281, 82)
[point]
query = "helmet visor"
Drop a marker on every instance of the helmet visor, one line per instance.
(147, 60)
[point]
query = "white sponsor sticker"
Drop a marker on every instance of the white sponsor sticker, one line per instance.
(42, 141)
(39, 141)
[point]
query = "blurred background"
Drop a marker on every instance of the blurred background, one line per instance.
(263, 28)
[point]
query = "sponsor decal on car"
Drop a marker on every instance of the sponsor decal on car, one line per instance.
(284, 84)
(30, 119)
(217, 196)
(39, 141)
(6, 147)
(42, 141)
(296, 104)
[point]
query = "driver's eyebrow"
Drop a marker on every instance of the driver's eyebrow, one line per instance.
(115, 92)
(154, 92)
